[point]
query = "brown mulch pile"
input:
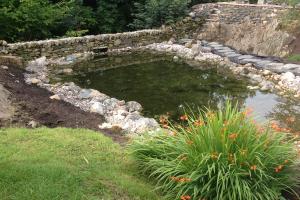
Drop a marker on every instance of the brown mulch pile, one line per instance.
(33, 103)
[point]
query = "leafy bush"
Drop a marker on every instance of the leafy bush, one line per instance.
(27, 19)
(154, 13)
(220, 155)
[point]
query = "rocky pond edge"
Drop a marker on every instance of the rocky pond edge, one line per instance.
(264, 74)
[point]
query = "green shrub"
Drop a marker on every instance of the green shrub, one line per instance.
(220, 155)
(154, 13)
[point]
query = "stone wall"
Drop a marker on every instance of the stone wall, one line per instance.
(245, 27)
(97, 43)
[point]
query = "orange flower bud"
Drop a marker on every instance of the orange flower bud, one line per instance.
(253, 167)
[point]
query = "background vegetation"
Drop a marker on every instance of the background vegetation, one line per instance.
(22, 20)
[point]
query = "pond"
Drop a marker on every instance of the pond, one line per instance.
(162, 86)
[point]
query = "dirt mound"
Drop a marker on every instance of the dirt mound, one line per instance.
(6, 110)
(33, 103)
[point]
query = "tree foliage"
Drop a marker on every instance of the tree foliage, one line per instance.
(22, 20)
(153, 13)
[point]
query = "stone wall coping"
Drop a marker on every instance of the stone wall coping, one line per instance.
(253, 5)
(234, 4)
(89, 37)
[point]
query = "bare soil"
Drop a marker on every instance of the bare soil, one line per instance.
(33, 103)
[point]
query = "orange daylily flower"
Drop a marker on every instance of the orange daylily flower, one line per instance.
(172, 133)
(190, 142)
(180, 180)
(291, 119)
(275, 126)
(184, 118)
(232, 136)
(248, 111)
(253, 167)
(279, 168)
(198, 123)
(185, 197)
(163, 120)
(166, 126)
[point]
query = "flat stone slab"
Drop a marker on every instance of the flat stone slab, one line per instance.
(225, 50)
(294, 68)
(234, 57)
(223, 53)
(262, 63)
(275, 67)
(214, 44)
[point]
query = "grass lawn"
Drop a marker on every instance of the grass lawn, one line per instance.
(66, 164)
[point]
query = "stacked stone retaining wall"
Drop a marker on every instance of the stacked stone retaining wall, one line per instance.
(98, 43)
(249, 28)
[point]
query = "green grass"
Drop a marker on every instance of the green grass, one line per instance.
(294, 58)
(66, 164)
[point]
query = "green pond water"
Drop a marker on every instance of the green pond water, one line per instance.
(162, 86)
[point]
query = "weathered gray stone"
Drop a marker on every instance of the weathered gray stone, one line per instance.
(205, 49)
(266, 86)
(261, 64)
(275, 67)
(134, 106)
(98, 107)
(85, 94)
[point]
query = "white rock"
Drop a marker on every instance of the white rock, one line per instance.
(175, 59)
(288, 76)
(35, 81)
(252, 87)
(55, 97)
(4, 67)
(98, 107)
(33, 124)
(266, 72)
(105, 126)
(95, 93)
(67, 71)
